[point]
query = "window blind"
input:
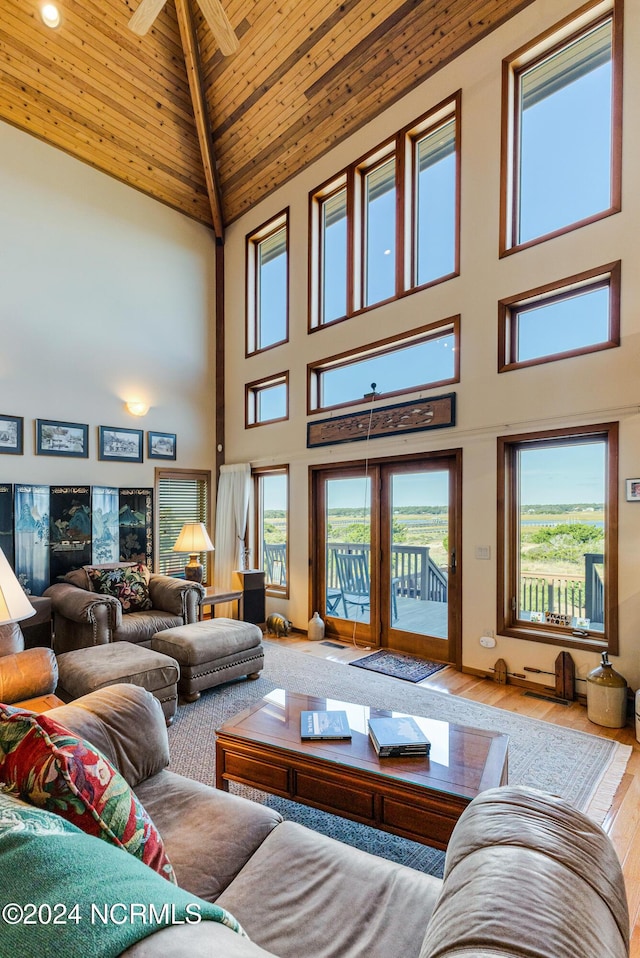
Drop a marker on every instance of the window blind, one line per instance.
(180, 500)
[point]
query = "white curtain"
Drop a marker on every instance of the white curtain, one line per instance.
(232, 504)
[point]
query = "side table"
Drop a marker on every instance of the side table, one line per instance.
(213, 597)
(40, 704)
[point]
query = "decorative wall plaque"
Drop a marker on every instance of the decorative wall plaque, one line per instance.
(437, 412)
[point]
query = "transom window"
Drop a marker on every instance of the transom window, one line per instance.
(557, 536)
(421, 359)
(580, 314)
(268, 285)
(267, 400)
(388, 224)
(562, 127)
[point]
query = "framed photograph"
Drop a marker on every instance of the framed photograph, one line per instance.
(120, 445)
(633, 490)
(161, 445)
(62, 439)
(11, 435)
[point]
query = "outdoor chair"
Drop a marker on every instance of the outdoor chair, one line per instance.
(355, 584)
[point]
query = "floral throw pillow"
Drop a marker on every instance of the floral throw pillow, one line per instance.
(129, 584)
(44, 764)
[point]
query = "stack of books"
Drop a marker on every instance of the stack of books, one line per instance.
(332, 724)
(397, 737)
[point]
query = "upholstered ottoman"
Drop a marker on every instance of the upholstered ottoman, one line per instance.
(211, 652)
(85, 670)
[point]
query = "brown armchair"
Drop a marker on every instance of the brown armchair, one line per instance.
(84, 618)
(24, 674)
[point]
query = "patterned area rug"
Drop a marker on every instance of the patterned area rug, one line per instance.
(584, 769)
(398, 664)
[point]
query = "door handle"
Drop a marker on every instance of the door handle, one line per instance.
(453, 564)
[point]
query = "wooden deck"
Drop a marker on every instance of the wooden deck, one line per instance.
(414, 615)
(622, 822)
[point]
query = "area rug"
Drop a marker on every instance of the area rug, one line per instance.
(398, 664)
(584, 769)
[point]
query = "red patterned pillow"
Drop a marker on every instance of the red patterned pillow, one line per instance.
(48, 766)
(128, 584)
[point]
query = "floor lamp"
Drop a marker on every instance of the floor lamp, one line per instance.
(14, 606)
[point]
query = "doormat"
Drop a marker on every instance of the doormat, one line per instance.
(399, 665)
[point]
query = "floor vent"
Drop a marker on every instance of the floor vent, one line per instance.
(548, 698)
(334, 645)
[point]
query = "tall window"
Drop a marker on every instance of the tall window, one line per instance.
(388, 224)
(272, 527)
(435, 213)
(557, 545)
(421, 359)
(182, 496)
(268, 285)
(379, 232)
(562, 128)
(333, 256)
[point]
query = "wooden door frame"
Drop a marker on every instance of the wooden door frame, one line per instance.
(317, 521)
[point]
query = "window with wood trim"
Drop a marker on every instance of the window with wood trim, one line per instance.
(267, 400)
(389, 224)
(182, 496)
(272, 527)
(580, 314)
(557, 537)
(420, 359)
(268, 285)
(562, 127)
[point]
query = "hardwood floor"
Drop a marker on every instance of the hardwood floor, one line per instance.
(623, 820)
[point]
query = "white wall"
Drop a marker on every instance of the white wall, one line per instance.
(105, 295)
(592, 388)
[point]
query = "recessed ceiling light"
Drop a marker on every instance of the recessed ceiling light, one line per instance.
(50, 15)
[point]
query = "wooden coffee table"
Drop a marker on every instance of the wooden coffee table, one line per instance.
(417, 798)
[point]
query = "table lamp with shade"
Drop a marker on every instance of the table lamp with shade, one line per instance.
(193, 539)
(14, 606)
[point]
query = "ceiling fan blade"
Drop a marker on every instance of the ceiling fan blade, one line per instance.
(144, 16)
(220, 27)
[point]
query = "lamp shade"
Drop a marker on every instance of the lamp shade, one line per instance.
(193, 538)
(14, 604)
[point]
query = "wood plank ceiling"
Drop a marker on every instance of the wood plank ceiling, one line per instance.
(307, 74)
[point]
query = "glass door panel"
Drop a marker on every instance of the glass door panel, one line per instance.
(348, 548)
(419, 535)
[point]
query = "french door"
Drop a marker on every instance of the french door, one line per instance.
(386, 554)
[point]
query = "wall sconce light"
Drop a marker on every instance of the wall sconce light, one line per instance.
(50, 15)
(136, 407)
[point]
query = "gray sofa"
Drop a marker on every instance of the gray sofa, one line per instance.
(526, 876)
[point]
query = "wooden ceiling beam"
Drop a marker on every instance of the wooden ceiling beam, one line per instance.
(203, 126)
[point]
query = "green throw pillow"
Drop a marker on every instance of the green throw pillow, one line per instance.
(69, 894)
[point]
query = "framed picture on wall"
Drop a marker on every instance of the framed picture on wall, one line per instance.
(11, 434)
(633, 490)
(120, 445)
(62, 438)
(161, 445)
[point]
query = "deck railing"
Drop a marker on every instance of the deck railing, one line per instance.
(569, 595)
(415, 574)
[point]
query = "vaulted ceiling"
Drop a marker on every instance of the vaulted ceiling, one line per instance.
(212, 135)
